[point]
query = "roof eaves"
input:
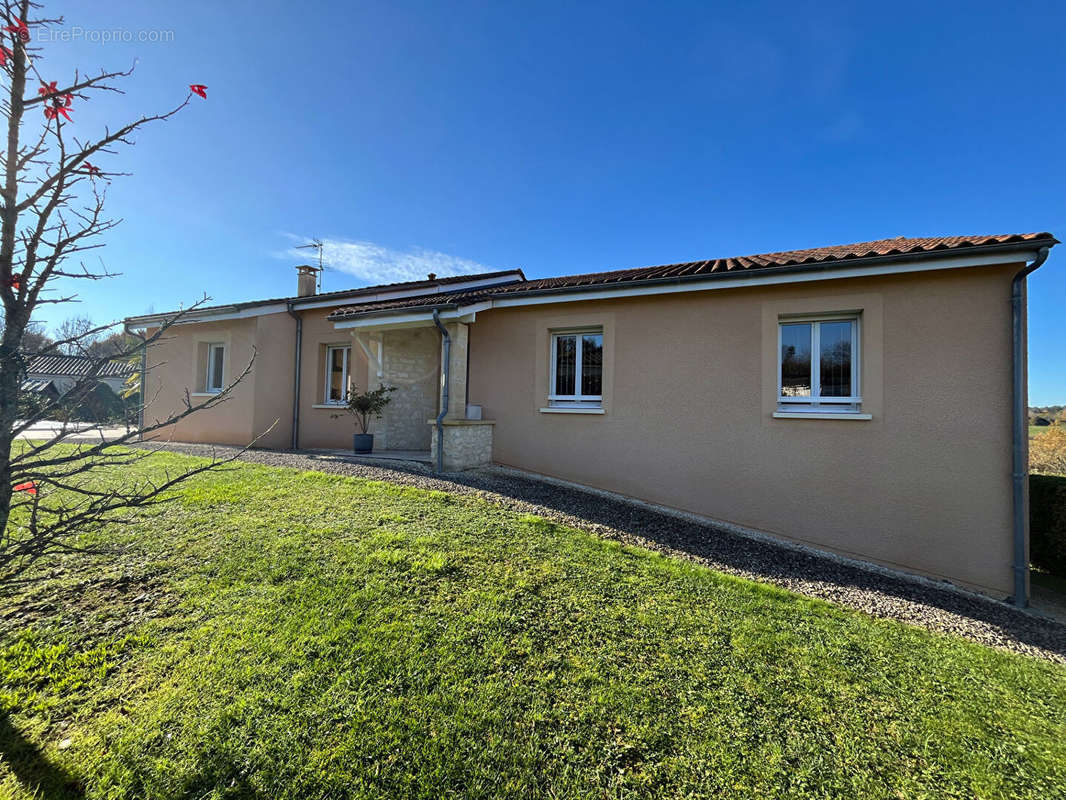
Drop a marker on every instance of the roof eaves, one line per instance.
(808, 266)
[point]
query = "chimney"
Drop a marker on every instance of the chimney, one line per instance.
(432, 276)
(306, 280)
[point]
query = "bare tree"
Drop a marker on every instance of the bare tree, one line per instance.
(51, 211)
(75, 331)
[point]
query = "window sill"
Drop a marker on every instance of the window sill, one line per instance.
(564, 410)
(205, 394)
(334, 406)
(822, 415)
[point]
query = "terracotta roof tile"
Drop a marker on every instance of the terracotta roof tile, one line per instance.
(814, 257)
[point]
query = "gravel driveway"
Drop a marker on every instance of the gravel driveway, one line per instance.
(874, 592)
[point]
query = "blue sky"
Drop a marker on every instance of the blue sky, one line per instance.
(566, 137)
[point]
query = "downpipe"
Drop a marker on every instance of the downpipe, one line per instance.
(1020, 433)
(446, 368)
(296, 376)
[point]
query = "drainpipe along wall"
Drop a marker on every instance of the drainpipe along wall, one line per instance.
(445, 372)
(296, 376)
(1020, 431)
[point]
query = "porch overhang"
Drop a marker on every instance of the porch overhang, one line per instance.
(421, 317)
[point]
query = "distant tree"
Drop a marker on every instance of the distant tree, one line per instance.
(83, 337)
(76, 335)
(34, 339)
(112, 345)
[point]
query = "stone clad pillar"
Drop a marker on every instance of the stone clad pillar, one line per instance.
(457, 399)
(467, 443)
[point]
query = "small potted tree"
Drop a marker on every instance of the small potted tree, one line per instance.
(364, 407)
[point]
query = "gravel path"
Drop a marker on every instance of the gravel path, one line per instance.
(874, 592)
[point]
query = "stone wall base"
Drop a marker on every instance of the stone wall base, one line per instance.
(467, 443)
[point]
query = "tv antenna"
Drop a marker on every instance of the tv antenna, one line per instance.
(316, 244)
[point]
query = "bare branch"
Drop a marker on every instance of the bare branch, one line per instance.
(52, 200)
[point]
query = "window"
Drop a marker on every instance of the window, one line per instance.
(818, 364)
(216, 359)
(337, 359)
(577, 369)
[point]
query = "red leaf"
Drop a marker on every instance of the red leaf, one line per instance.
(20, 28)
(5, 54)
(199, 88)
(29, 487)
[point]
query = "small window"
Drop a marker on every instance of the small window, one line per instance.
(337, 359)
(818, 364)
(577, 369)
(216, 360)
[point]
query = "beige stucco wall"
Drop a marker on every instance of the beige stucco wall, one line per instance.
(176, 364)
(689, 393)
(321, 427)
(407, 359)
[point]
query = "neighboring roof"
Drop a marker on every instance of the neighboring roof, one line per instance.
(344, 294)
(38, 386)
(77, 367)
(815, 258)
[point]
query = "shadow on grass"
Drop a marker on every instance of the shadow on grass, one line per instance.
(38, 775)
(791, 568)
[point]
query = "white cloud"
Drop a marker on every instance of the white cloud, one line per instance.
(375, 263)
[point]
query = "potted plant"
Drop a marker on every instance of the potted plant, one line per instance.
(364, 407)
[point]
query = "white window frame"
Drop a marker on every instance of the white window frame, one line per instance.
(347, 348)
(814, 404)
(576, 400)
(215, 350)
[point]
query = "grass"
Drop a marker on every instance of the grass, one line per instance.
(279, 634)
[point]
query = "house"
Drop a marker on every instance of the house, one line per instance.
(50, 378)
(807, 394)
(54, 375)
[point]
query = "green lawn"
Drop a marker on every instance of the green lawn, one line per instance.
(278, 634)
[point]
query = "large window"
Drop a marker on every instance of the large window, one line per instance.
(818, 364)
(337, 359)
(577, 369)
(216, 360)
